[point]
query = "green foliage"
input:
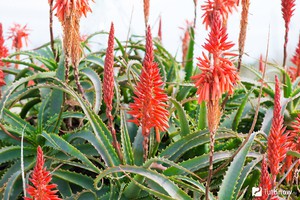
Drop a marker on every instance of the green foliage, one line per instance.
(78, 144)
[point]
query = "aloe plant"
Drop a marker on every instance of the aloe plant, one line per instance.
(41, 106)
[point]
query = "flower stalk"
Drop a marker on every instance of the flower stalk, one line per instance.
(218, 76)
(108, 88)
(149, 107)
(69, 14)
(243, 31)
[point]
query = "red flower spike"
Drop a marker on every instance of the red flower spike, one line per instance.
(159, 34)
(261, 64)
(108, 82)
(287, 8)
(295, 71)
(149, 107)
(65, 7)
(149, 55)
(146, 11)
(220, 75)
(224, 7)
(277, 147)
(265, 181)
(185, 41)
(293, 144)
(3, 49)
(17, 34)
(40, 178)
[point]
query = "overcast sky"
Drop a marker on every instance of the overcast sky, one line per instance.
(263, 14)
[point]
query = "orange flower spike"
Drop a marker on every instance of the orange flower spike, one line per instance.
(287, 8)
(149, 107)
(220, 75)
(159, 34)
(224, 7)
(185, 41)
(277, 147)
(65, 7)
(17, 34)
(296, 59)
(40, 178)
(293, 144)
(149, 55)
(265, 181)
(146, 11)
(108, 82)
(3, 49)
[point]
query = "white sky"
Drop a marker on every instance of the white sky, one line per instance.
(263, 14)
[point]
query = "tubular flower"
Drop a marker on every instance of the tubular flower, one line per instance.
(17, 34)
(295, 71)
(66, 7)
(224, 7)
(3, 49)
(146, 11)
(277, 147)
(40, 178)
(293, 143)
(149, 107)
(220, 75)
(185, 41)
(265, 181)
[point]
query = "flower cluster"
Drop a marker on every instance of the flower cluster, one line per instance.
(294, 71)
(18, 34)
(287, 8)
(3, 48)
(40, 178)
(265, 182)
(224, 7)
(220, 75)
(146, 11)
(149, 107)
(277, 147)
(293, 144)
(185, 41)
(66, 7)
(108, 82)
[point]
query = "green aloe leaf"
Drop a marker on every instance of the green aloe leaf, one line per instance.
(10, 153)
(125, 140)
(196, 163)
(93, 76)
(246, 171)
(173, 190)
(76, 178)
(240, 111)
(189, 66)
(233, 174)
(195, 184)
(178, 148)
(184, 124)
(59, 143)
